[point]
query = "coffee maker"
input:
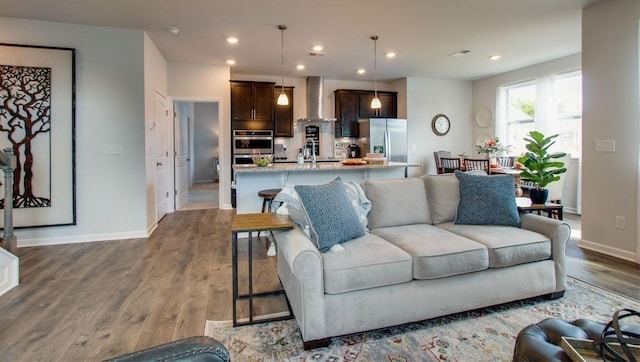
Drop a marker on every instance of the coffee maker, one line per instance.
(353, 151)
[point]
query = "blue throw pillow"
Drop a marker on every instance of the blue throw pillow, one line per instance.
(487, 200)
(331, 215)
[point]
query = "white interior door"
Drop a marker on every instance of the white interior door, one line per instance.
(181, 125)
(162, 127)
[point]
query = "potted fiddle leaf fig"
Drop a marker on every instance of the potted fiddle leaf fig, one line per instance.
(540, 166)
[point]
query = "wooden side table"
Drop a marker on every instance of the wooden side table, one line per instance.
(524, 205)
(250, 223)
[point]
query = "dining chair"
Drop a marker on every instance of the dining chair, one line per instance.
(471, 164)
(556, 188)
(449, 164)
(437, 156)
(506, 161)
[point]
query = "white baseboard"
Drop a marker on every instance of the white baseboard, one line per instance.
(570, 210)
(227, 207)
(81, 238)
(607, 250)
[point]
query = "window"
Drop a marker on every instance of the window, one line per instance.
(550, 105)
(521, 101)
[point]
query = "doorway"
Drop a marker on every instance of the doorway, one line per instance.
(196, 155)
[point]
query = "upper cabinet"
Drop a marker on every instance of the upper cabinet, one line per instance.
(346, 113)
(283, 119)
(388, 101)
(352, 105)
(252, 105)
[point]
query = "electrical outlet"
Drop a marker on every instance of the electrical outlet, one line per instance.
(605, 146)
(621, 222)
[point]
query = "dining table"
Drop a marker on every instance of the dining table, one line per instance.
(510, 171)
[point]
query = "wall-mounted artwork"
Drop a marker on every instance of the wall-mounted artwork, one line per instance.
(37, 120)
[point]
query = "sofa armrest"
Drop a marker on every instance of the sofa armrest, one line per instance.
(558, 232)
(301, 274)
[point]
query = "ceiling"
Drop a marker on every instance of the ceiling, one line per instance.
(422, 32)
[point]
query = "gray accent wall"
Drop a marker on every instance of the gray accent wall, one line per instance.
(205, 140)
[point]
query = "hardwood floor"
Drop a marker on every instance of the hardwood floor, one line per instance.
(98, 300)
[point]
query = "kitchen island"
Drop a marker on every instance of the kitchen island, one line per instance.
(250, 179)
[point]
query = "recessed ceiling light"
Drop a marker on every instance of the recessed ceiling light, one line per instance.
(391, 55)
(318, 48)
(361, 71)
(172, 29)
(300, 66)
(495, 57)
(460, 53)
(232, 40)
(231, 62)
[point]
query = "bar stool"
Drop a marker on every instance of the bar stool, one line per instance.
(267, 198)
(267, 201)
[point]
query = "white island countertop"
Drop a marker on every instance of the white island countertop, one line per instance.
(319, 166)
(249, 180)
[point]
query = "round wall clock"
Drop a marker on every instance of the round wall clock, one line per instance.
(440, 125)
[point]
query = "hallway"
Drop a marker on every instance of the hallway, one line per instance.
(202, 196)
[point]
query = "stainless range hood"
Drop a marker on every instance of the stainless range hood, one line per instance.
(315, 98)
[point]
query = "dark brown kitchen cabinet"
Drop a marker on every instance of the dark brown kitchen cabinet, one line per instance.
(352, 105)
(388, 101)
(283, 118)
(252, 105)
(346, 104)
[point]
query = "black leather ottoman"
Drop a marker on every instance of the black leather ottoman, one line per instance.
(192, 349)
(541, 341)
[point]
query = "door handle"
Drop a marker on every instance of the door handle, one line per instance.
(158, 163)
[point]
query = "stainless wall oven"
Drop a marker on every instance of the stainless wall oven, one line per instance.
(248, 142)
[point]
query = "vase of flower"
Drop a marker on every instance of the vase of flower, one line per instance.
(492, 148)
(493, 160)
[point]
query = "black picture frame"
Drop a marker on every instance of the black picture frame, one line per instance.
(37, 95)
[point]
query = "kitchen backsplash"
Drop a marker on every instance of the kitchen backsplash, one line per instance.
(327, 140)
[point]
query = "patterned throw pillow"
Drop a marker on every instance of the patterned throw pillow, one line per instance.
(332, 219)
(355, 194)
(487, 200)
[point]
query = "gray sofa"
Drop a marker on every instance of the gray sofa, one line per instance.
(415, 263)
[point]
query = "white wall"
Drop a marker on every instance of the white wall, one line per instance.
(205, 140)
(425, 98)
(110, 98)
(198, 82)
(610, 112)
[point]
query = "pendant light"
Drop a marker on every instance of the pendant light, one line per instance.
(375, 102)
(283, 100)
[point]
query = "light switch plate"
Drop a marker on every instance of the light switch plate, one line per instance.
(605, 146)
(115, 149)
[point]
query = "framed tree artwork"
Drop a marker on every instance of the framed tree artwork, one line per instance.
(37, 121)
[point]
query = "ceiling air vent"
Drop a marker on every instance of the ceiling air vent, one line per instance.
(316, 54)
(460, 53)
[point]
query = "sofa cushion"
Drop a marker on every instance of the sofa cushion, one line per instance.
(365, 262)
(486, 200)
(332, 219)
(397, 202)
(290, 198)
(507, 245)
(435, 252)
(442, 191)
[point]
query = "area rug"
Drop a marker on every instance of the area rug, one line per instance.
(486, 334)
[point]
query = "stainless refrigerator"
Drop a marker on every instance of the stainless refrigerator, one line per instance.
(385, 135)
